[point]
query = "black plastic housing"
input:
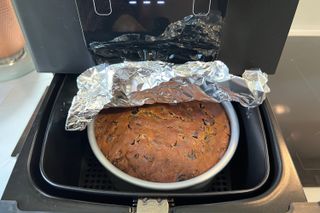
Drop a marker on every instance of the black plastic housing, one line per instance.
(254, 34)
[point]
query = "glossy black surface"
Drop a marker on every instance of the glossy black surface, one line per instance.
(295, 97)
(101, 24)
(253, 34)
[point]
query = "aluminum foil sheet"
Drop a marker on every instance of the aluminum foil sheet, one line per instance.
(194, 38)
(137, 83)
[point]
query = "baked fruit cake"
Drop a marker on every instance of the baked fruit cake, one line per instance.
(163, 142)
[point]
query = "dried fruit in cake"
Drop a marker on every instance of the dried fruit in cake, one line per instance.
(164, 142)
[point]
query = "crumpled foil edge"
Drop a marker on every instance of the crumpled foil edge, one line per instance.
(131, 84)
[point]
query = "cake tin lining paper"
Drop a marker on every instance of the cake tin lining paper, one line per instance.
(130, 84)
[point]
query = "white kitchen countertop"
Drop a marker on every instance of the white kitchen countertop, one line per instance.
(18, 100)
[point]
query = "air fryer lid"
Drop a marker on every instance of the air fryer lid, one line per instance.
(253, 35)
(150, 30)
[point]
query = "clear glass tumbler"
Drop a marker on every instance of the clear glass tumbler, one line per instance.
(14, 60)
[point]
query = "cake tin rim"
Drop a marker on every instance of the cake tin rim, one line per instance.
(209, 174)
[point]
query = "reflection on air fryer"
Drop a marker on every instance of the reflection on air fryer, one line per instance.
(127, 23)
(153, 17)
(189, 39)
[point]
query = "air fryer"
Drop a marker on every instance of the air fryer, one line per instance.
(56, 169)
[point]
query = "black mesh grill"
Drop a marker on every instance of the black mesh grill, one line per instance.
(221, 182)
(94, 176)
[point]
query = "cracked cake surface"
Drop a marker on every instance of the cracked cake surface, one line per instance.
(164, 142)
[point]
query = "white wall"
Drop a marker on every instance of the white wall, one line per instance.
(307, 19)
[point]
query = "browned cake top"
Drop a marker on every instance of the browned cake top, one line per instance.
(162, 142)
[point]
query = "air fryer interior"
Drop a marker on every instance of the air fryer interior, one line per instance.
(68, 165)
